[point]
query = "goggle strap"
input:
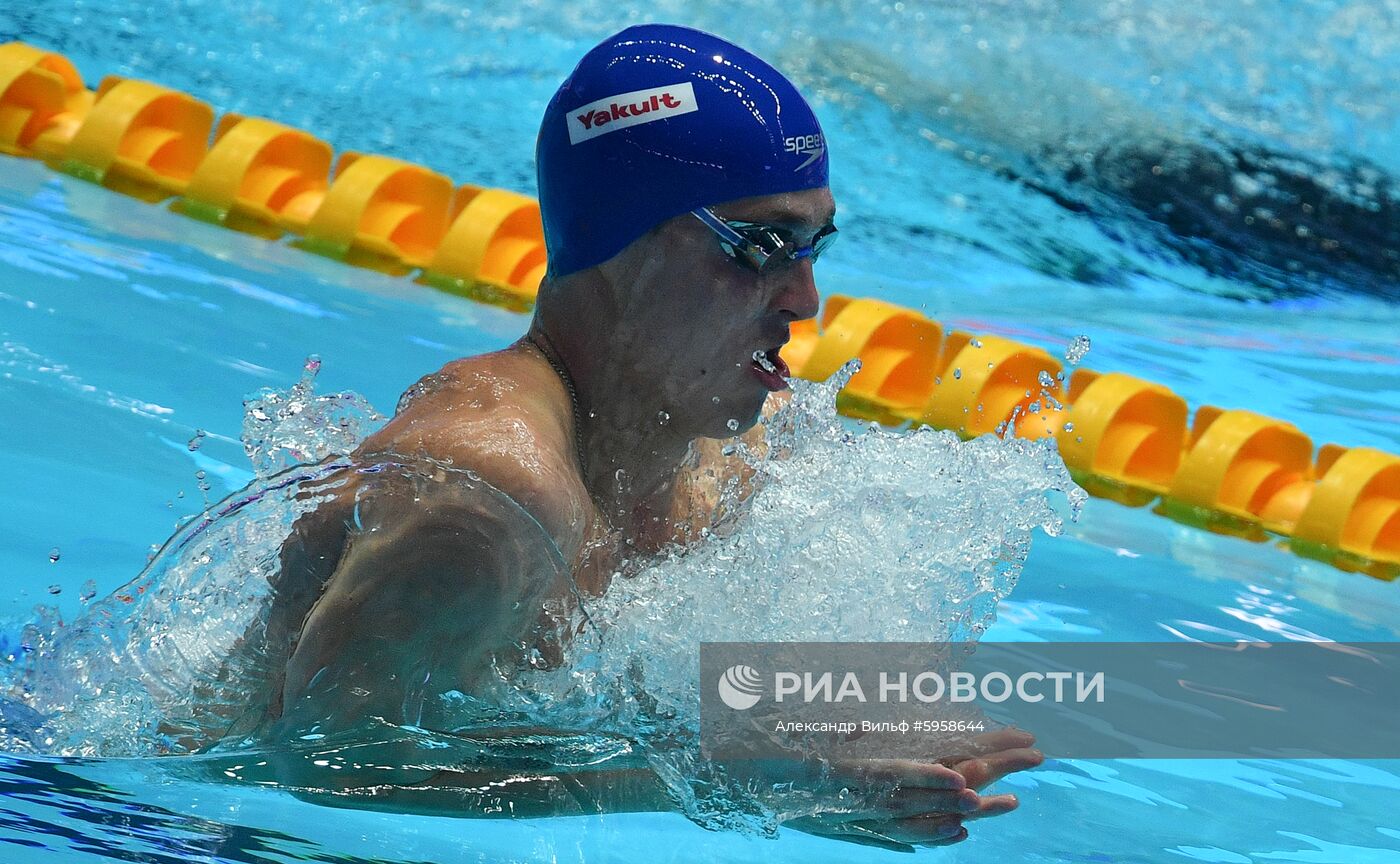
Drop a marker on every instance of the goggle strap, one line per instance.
(720, 227)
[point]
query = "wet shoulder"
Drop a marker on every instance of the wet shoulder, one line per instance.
(499, 415)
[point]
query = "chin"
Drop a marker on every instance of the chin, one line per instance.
(746, 413)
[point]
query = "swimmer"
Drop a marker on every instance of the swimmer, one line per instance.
(683, 188)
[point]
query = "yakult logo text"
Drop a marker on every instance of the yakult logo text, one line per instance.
(630, 109)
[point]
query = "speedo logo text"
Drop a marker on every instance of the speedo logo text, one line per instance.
(811, 146)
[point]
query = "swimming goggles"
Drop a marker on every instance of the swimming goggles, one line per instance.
(763, 248)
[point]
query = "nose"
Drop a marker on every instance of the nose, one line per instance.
(797, 298)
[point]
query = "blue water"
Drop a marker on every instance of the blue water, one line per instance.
(955, 132)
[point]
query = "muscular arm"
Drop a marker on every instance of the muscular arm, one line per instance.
(438, 574)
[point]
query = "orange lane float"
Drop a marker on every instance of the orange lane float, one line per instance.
(382, 213)
(140, 138)
(1352, 519)
(1122, 438)
(1242, 473)
(42, 101)
(260, 176)
(494, 250)
(987, 384)
(898, 349)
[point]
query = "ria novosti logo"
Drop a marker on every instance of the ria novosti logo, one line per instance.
(624, 110)
(740, 687)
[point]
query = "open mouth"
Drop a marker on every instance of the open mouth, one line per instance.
(770, 369)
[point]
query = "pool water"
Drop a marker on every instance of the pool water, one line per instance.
(125, 329)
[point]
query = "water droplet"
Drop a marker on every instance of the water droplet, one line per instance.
(55, 589)
(197, 440)
(663, 418)
(1045, 379)
(54, 555)
(957, 374)
(1078, 347)
(199, 475)
(714, 399)
(975, 343)
(88, 591)
(1069, 427)
(733, 425)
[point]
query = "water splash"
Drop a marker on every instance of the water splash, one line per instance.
(285, 428)
(145, 671)
(849, 534)
(1078, 347)
(842, 532)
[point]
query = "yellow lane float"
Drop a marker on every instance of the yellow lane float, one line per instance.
(382, 213)
(987, 384)
(140, 138)
(1124, 437)
(494, 250)
(260, 176)
(1352, 519)
(898, 349)
(42, 101)
(1242, 473)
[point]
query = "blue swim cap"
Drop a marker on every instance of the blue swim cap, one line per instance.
(656, 121)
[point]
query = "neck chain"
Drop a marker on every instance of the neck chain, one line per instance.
(553, 360)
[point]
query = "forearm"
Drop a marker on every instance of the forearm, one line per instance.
(486, 793)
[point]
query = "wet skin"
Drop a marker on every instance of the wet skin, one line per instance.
(659, 342)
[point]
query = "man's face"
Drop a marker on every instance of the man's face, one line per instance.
(696, 316)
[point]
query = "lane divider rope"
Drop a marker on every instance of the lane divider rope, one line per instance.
(1229, 471)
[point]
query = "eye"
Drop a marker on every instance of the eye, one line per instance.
(823, 240)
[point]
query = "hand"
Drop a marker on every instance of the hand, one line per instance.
(931, 800)
(994, 755)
